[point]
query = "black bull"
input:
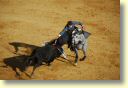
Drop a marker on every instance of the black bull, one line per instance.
(46, 54)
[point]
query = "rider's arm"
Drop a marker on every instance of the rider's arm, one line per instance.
(78, 23)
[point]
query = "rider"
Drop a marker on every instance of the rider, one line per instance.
(71, 25)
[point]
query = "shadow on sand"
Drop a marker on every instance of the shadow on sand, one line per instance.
(17, 63)
(17, 45)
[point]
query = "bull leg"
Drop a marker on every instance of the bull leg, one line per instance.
(34, 68)
(17, 74)
(37, 64)
(50, 59)
(76, 58)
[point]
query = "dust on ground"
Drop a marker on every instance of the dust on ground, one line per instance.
(36, 21)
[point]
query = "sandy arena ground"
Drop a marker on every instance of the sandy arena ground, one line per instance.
(32, 22)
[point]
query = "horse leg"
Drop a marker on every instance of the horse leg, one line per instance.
(84, 52)
(76, 58)
(84, 56)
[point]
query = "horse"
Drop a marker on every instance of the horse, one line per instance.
(79, 42)
(76, 40)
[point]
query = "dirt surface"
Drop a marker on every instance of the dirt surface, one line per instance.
(29, 23)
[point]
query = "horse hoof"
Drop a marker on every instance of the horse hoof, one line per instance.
(82, 59)
(75, 64)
